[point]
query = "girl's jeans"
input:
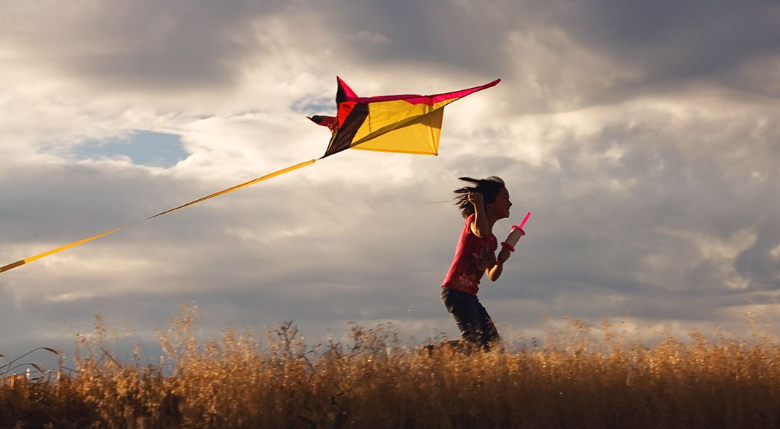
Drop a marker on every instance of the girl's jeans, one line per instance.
(473, 320)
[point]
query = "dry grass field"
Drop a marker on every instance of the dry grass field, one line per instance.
(575, 380)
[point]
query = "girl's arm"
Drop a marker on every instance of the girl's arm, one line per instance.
(480, 226)
(495, 271)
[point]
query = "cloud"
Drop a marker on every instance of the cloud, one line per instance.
(670, 41)
(140, 44)
(641, 137)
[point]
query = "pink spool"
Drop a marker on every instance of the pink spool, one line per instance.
(514, 236)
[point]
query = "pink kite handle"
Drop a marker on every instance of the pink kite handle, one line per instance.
(525, 219)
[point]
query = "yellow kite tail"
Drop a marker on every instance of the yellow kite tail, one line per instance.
(216, 194)
(243, 185)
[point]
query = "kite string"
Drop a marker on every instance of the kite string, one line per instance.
(455, 176)
(439, 157)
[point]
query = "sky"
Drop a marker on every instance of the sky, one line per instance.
(643, 137)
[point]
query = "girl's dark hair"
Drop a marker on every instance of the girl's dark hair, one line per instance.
(489, 188)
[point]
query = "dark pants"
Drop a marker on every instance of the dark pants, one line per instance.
(473, 320)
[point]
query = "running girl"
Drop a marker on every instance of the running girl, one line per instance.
(481, 204)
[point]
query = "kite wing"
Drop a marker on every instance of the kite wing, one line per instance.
(390, 123)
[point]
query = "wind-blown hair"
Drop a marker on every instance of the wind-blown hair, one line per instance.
(489, 188)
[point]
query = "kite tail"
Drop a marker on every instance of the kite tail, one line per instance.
(216, 194)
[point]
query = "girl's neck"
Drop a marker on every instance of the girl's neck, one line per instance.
(491, 219)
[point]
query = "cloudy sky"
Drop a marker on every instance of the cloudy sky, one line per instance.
(642, 135)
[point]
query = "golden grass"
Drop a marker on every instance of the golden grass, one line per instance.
(576, 380)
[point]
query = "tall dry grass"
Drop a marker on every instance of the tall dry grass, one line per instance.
(373, 380)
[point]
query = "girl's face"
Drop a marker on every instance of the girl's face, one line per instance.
(502, 204)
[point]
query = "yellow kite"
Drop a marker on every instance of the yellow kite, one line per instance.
(389, 123)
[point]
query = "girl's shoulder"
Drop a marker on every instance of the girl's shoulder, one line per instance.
(470, 219)
(468, 225)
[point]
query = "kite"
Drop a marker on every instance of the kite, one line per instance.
(390, 123)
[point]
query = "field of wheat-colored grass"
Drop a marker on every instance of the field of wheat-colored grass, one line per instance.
(572, 379)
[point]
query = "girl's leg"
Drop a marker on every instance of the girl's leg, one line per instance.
(489, 334)
(464, 308)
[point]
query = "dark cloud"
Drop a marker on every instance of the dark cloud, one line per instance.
(567, 54)
(674, 39)
(142, 45)
(562, 54)
(761, 261)
(667, 43)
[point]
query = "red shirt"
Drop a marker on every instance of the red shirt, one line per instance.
(473, 256)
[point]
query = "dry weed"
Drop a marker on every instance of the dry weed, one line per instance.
(372, 380)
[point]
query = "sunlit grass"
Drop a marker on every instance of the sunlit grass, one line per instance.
(573, 379)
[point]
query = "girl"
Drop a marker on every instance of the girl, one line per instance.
(481, 204)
